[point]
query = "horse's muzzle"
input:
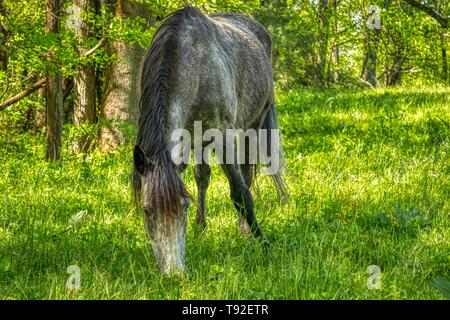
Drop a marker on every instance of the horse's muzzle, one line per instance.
(167, 236)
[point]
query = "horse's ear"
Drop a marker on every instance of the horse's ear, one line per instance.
(140, 160)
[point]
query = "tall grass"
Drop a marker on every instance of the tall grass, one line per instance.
(369, 178)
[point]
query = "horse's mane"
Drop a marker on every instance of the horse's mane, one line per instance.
(165, 189)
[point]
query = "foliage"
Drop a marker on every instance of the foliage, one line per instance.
(410, 41)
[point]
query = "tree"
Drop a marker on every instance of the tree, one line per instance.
(121, 96)
(54, 91)
(444, 58)
(369, 69)
(3, 38)
(439, 17)
(444, 22)
(324, 25)
(334, 75)
(315, 43)
(85, 77)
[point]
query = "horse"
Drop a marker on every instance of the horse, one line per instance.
(216, 69)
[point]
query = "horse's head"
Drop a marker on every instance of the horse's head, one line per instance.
(160, 192)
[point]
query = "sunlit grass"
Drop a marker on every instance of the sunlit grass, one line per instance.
(371, 187)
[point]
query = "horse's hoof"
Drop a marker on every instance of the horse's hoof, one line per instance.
(266, 243)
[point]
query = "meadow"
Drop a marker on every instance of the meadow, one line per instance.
(368, 173)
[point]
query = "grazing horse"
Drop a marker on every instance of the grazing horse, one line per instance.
(216, 69)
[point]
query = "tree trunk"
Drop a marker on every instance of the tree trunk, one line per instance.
(99, 69)
(395, 72)
(335, 48)
(370, 65)
(322, 41)
(369, 69)
(54, 91)
(3, 38)
(444, 59)
(120, 106)
(84, 80)
(372, 30)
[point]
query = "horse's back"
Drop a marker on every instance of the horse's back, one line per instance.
(225, 69)
(248, 23)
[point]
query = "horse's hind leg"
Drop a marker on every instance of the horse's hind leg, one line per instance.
(244, 227)
(242, 198)
(247, 171)
(202, 178)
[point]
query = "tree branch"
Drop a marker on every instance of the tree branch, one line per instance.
(91, 51)
(40, 83)
(443, 20)
(23, 94)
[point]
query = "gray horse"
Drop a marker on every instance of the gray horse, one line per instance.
(216, 69)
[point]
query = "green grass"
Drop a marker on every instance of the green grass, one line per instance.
(371, 187)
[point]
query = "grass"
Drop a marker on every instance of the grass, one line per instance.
(369, 176)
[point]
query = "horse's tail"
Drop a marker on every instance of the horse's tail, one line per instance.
(270, 123)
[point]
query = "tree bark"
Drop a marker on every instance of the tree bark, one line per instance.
(371, 66)
(369, 69)
(23, 94)
(444, 59)
(395, 73)
(84, 110)
(120, 106)
(84, 78)
(322, 40)
(3, 38)
(54, 91)
(335, 48)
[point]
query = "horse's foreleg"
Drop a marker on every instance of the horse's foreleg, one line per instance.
(242, 198)
(202, 178)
